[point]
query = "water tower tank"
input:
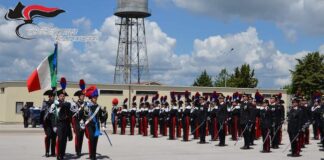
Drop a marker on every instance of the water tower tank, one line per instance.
(132, 9)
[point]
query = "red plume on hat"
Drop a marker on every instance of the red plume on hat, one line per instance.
(279, 96)
(115, 101)
(172, 95)
(197, 95)
(228, 98)
(82, 84)
(165, 98)
(134, 99)
(206, 97)
(162, 99)
(213, 96)
(146, 98)
(92, 91)
(317, 95)
(125, 101)
(258, 96)
(187, 94)
(142, 99)
(63, 83)
(179, 97)
(153, 99)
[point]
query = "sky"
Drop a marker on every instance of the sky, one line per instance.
(183, 39)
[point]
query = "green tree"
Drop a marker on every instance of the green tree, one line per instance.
(221, 80)
(308, 75)
(288, 87)
(203, 80)
(243, 77)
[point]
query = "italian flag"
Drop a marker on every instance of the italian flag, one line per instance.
(44, 76)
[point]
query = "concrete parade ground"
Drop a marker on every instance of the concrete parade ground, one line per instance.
(17, 143)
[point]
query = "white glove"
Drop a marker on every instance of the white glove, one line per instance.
(56, 102)
(82, 125)
(54, 129)
(103, 126)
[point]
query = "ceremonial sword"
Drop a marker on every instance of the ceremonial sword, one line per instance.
(107, 137)
(241, 134)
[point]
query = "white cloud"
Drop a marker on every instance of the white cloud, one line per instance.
(96, 62)
(83, 24)
(289, 15)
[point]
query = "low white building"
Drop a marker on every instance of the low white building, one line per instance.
(14, 94)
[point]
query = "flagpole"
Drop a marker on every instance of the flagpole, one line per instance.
(56, 70)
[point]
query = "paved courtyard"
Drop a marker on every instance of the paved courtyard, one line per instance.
(17, 143)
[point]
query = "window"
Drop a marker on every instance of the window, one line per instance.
(19, 106)
(2, 90)
(30, 104)
(209, 94)
(181, 93)
(146, 92)
(111, 92)
(266, 95)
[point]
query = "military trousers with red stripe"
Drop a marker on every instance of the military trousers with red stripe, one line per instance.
(114, 125)
(186, 130)
(145, 126)
(213, 129)
(266, 138)
(295, 145)
(62, 137)
(172, 128)
(179, 128)
(155, 125)
(132, 124)
(234, 127)
(50, 139)
(92, 140)
(123, 125)
(78, 135)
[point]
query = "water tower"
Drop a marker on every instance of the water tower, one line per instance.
(131, 61)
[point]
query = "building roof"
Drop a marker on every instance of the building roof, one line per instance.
(156, 86)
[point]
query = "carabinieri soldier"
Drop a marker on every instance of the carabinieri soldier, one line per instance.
(245, 121)
(186, 117)
(139, 114)
(62, 120)
(254, 112)
(235, 113)
(179, 116)
(276, 121)
(316, 115)
(123, 114)
(212, 115)
(306, 111)
(145, 117)
(294, 127)
(78, 131)
(322, 122)
(194, 116)
(132, 116)
(155, 116)
(92, 116)
(173, 117)
(163, 116)
(114, 117)
(46, 119)
(202, 116)
(221, 116)
(265, 124)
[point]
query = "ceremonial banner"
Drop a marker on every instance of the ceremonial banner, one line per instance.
(44, 76)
